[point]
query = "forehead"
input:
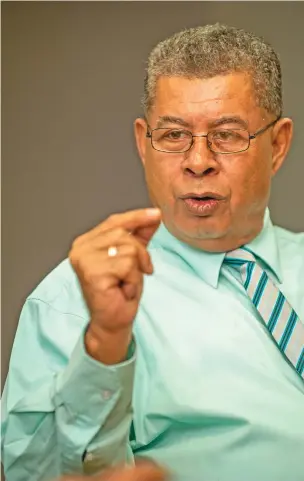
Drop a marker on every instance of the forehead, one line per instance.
(201, 99)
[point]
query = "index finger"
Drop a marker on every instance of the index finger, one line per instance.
(132, 220)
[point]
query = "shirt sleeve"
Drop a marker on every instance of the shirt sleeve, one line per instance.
(62, 411)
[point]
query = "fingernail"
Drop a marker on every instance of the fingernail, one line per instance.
(153, 212)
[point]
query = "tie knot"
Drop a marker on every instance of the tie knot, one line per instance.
(239, 257)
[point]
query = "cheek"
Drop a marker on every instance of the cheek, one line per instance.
(161, 175)
(250, 181)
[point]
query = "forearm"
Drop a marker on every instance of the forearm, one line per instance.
(61, 417)
(95, 399)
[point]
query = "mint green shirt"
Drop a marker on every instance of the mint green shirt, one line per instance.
(213, 397)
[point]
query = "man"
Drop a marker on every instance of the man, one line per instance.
(208, 306)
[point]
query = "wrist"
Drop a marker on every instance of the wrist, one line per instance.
(105, 346)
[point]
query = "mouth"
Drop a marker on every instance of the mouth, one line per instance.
(202, 204)
(203, 196)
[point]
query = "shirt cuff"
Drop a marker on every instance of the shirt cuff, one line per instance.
(87, 384)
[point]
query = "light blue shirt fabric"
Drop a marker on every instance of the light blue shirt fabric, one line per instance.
(213, 397)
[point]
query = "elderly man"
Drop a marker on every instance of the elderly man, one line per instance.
(194, 308)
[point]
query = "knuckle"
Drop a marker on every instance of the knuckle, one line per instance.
(102, 284)
(73, 257)
(112, 219)
(74, 252)
(77, 241)
(129, 263)
(131, 250)
(119, 232)
(90, 275)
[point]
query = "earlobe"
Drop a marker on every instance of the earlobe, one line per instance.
(140, 129)
(282, 136)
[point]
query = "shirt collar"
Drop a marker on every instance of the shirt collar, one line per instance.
(266, 248)
(207, 265)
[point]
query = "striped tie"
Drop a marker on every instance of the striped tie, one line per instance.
(278, 315)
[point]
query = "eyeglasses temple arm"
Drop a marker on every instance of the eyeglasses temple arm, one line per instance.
(253, 136)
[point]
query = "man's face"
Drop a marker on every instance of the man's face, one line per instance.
(240, 182)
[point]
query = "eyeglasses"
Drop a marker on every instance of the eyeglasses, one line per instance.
(220, 141)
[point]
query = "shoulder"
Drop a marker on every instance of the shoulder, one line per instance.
(291, 253)
(51, 321)
(290, 241)
(60, 290)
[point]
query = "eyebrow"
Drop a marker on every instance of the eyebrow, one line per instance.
(231, 119)
(169, 119)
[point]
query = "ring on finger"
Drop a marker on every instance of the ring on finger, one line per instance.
(112, 251)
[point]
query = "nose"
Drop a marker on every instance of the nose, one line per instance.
(199, 161)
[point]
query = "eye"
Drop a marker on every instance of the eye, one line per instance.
(224, 135)
(176, 134)
(228, 135)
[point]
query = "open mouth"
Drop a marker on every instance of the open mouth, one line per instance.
(203, 196)
(206, 197)
(203, 204)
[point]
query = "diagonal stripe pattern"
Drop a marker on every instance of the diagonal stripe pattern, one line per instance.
(278, 315)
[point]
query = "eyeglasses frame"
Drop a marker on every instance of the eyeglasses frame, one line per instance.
(250, 137)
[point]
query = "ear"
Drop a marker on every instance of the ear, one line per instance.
(281, 140)
(140, 130)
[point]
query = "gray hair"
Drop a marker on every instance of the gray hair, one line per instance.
(204, 52)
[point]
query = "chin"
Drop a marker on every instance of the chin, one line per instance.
(201, 228)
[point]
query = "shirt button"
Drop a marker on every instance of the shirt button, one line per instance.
(89, 457)
(106, 394)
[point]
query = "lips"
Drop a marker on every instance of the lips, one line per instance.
(203, 196)
(203, 204)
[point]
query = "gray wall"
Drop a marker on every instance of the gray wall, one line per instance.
(72, 75)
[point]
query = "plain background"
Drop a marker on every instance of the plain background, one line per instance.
(72, 79)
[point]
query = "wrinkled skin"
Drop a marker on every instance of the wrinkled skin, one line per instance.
(244, 179)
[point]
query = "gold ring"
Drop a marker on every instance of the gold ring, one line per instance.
(112, 251)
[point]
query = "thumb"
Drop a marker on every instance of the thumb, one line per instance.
(145, 234)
